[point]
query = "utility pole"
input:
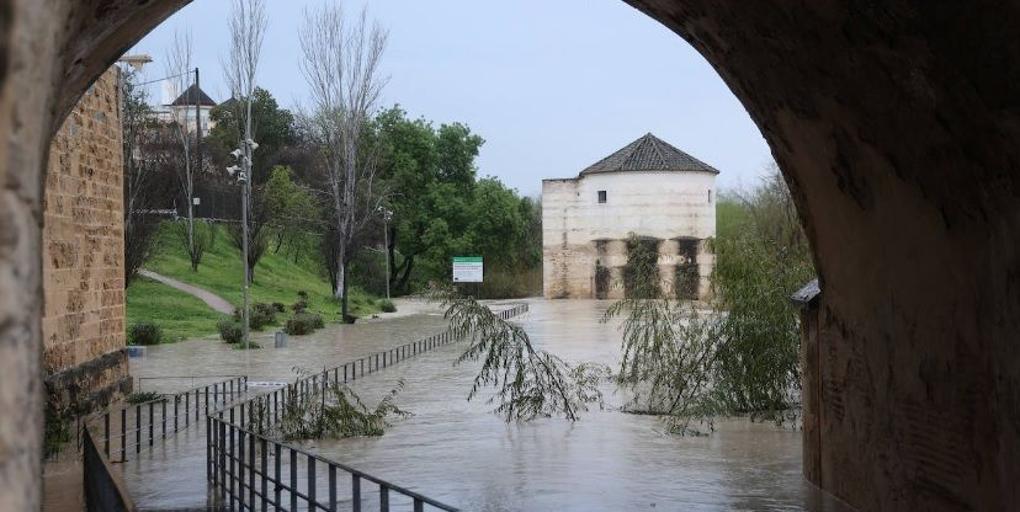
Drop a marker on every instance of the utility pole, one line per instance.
(387, 215)
(198, 120)
(249, 149)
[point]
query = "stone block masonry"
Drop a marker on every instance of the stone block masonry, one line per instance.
(83, 322)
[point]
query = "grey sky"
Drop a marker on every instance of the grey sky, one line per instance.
(552, 86)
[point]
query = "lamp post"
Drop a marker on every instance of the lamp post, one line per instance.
(244, 155)
(387, 215)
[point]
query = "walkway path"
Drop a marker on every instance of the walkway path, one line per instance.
(214, 301)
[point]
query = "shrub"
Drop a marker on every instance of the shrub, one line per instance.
(302, 303)
(230, 330)
(279, 307)
(387, 306)
(145, 333)
(303, 323)
(262, 315)
(140, 397)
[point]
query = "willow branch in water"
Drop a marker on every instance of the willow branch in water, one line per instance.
(669, 351)
(332, 410)
(529, 383)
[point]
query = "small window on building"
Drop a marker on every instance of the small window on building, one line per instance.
(709, 196)
(602, 196)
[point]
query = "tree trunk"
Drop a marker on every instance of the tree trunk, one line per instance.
(408, 264)
(391, 249)
(344, 313)
(191, 231)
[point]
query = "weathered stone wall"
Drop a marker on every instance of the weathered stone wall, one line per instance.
(579, 234)
(83, 251)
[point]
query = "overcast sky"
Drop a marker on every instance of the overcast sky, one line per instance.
(552, 86)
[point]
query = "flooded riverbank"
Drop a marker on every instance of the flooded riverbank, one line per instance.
(460, 453)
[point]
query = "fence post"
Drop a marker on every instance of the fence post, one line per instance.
(384, 498)
(222, 455)
(311, 483)
(332, 488)
(210, 441)
(356, 492)
(138, 428)
(123, 435)
(151, 426)
(177, 401)
(163, 413)
(277, 482)
(251, 471)
(293, 479)
(265, 473)
(234, 470)
(106, 434)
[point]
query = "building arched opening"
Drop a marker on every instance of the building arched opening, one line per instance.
(894, 127)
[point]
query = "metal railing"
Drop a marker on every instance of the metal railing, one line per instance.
(248, 470)
(129, 428)
(103, 488)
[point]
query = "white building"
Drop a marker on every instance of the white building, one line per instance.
(182, 110)
(648, 189)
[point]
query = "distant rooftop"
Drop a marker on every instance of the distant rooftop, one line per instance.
(192, 95)
(649, 153)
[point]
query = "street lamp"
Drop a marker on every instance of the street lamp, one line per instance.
(387, 215)
(243, 155)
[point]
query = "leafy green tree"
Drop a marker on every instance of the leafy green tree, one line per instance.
(274, 130)
(292, 211)
(689, 364)
(428, 172)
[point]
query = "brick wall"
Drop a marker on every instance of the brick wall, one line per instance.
(83, 250)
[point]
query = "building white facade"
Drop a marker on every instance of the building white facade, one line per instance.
(648, 189)
(183, 111)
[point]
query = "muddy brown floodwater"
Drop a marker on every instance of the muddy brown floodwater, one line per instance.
(460, 453)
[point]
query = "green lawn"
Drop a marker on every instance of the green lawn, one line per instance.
(277, 279)
(180, 315)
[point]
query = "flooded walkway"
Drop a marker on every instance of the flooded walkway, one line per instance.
(172, 474)
(458, 452)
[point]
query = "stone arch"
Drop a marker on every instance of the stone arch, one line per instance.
(895, 124)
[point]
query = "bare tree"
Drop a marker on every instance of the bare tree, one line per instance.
(248, 24)
(143, 163)
(341, 65)
(178, 70)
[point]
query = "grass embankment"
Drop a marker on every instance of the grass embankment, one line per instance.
(278, 278)
(178, 314)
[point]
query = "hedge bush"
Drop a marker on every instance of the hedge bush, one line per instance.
(387, 306)
(230, 330)
(303, 323)
(262, 314)
(302, 303)
(145, 333)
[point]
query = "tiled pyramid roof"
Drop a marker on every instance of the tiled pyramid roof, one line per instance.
(649, 153)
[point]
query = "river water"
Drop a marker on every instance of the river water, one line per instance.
(460, 453)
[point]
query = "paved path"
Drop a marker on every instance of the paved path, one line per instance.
(214, 301)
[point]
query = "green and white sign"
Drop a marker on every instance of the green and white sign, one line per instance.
(467, 269)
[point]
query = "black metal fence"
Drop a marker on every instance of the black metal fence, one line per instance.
(129, 428)
(133, 426)
(103, 488)
(247, 470)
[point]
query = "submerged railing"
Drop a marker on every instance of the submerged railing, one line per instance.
(104, 489)
(133, 426)
(248, 470)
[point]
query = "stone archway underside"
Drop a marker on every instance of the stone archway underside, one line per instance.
(895, 124)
